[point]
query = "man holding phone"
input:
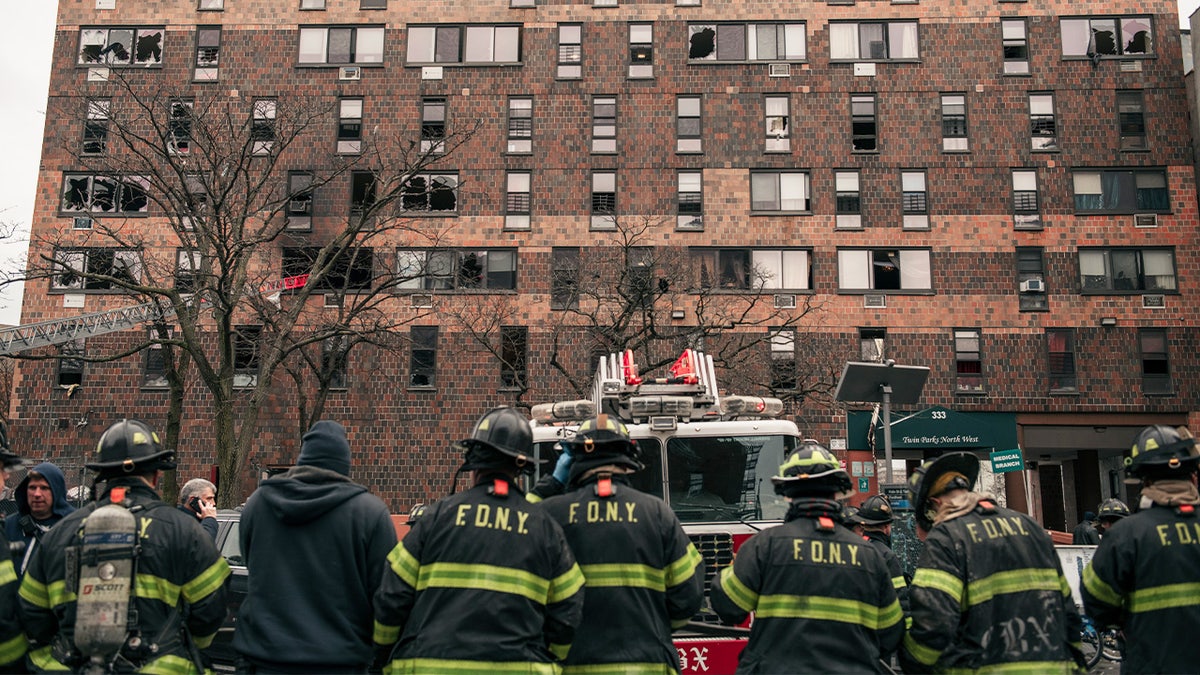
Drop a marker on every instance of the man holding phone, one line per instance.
(199, 498)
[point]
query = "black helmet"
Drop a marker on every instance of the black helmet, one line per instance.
(502, 438)
(850, 515)
(129, 446)
(876, 510)
(1112, 509)
(811, 469)
(1161, 451)
(603, 440)
(8, 458)
(950, 471)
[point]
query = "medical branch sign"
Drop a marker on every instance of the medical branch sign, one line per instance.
(1004, 461)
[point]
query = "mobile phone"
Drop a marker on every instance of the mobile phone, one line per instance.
(194, 504)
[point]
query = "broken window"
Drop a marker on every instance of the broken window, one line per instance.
(208, 53)
(435, 192)
(197, 207)
(847, 199)
(864, 128)
(779, 191)
(1043, 126)
(124, 195)
(187, 269)
(246, 350)
(300, 200)
(914, 200)
(641, 50)
(70, 367)
(520, 124)
(1131, 120)
(433, 124)
(350, 126)
(690, 210)
(352, 270)
(335, 353)
(688, 136)
(154, 367)
(604, 124)
(423, 359)
(454, 269)
(363, 185)
(95, 269)
(514, 341)
(570, 50)
(341, 45)
(954, 123)
(604, 199)
(747, 42)
(1099, 37)
(262, 126)
(872, 344)
(1016, 46)
(1156, 364)
(464, 44)
(778, 121)
(564, 278)
(783, 359)
(179, 127)
(639, 287)
(517, 200)
(121, 46)
(884, 269)
(95, 126)
(873, 41)
(1026, 210)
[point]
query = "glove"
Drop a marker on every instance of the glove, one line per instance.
(562, 469)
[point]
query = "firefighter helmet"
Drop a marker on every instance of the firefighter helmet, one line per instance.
(502, 437)
(1162, 451)
(951, 471)
(130, 446)
(811, 470)
(603, 440)
(876, 510)
(8, 458)
(1112, 509)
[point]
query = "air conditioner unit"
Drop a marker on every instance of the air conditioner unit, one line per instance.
(82, 223)
(1034, 285)
(779, 70)
(874, 301)
(333, 300)
(1145, 220)
(785, 302)
(1155, 301)
(349, 73)
(422, 300)
(1131, 66)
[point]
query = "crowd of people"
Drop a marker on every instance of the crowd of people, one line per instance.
(582, 574)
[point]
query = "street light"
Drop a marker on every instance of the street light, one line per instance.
(882, 383)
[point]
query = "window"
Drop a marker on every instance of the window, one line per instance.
(1156, 366)
(1026, 210)
(1121, 191)
(513, 350)
(197, 205)
(211, 4)
(187, 269)
(372, 4)
(873, 41)
(747, 42)
(300, 200)
(340, 45)
(1031, 266)
(246, 353)
(154, 364)
(208, 52)
(783, 359)
(1098, 37)
(522, 3)
(691, 201)
(641, 50)
(445, 44)
(92, 193)
(423, 361)
(433, 124)
(954, 123)
(564, 278)
(745, 269)
(884, 269)
(1016, 46)
(262, 126)
(455, 269)
(520, 125)
(863, 128)
(1060, 343)
(1131, 120)
(312, 4)
(778, 124)
(604, 124)
(70, 367)
(914, 200)
(604, 200)
(352, 270)
(687, 124)
(363, 185)
(141, 46)
(847, 199)
(95, 269)
(1043, 126)
(872, 344)
(432, 192)
(350, 126)
(638, 283)
(95, 126)
(335, 352)
(179, 127)
(570, 51)
(517, 200)
(1132, 270)
(779, 191)
(968, 366)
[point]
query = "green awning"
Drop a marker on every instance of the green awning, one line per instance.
(934, 428)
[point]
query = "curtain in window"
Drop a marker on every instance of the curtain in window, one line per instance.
(903, 40)
(1152, 192)
(1159, 270)
(914, 270)
(843, 41)
(854, 269)
(1088, 193)
(1093, 271)
(793, 191)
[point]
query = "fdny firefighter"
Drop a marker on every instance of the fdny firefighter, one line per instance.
(484, 581)
(1145, 575)
(128, 583)
(644, 576)
(1110, 511)
(875, 518)
(12, 640)
(989, 592)
(822, 598)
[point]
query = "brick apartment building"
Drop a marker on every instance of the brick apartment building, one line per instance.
(999, 190)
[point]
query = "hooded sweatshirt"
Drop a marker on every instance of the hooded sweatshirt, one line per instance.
(22, 526)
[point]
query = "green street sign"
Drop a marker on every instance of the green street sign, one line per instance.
(1004, 461)
(864, 484)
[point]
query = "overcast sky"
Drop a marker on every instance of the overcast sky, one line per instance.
(27, 30)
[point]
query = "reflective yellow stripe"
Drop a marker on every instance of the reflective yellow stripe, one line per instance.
(898, 582)
(404, 565)
(624, 576)
(470, 667)
(43, 660)
(559, 651)
(34, 592)
(685, 568)
(204, 641)
(620, 669)
(1012, 581)
(12, 649)
(57, 593)
(484, 578)
(1096, 586)
(938, 580)
(828, 609)
(738, 592)
(1164, 597)
(8, 574)
(565, 585)
(1021, 668)
(169, 665)
(385, 634)
(156, 588)
(207, 582)
(924, 655)
(532, 498)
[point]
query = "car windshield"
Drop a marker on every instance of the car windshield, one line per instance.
(726, 477)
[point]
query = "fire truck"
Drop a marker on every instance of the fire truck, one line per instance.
(710, 456)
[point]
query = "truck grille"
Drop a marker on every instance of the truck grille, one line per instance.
(717, 550)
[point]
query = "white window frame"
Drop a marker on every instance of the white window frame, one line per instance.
(845, 41)
(856, 270)
(690, 190)
(366, 45)
(793, 33)
(518, 191)
(476, 44)
(787, 191)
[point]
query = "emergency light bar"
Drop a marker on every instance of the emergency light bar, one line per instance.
(752, 405)
(644, 406)
(563, 411)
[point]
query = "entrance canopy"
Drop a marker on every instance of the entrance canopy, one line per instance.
(934, 428)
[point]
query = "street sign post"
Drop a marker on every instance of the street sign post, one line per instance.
(883, 383)
(1004, 461)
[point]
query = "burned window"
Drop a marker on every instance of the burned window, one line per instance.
(464, 44)
(335, 354)
(95, 269)
(433, 124)
(778, 124)
(423, 359)
(640, 288)
(352, 270)
(140, 46)
(434, 192)
(208, 53)
(1060, 343)
(262, 126)
(1156, 363)
(514, 341)
(350, 126)
(187, 269)
(93, 193)
(246, 355)
(872, 344)
(783, 359)
(1110, 36)
(341, 45)
(70, 366)
(453, 269)
(95, 126)
(179, 127)
(300, 199)
(747, 42)
(363, 185)
(154, 365)
(564, 278)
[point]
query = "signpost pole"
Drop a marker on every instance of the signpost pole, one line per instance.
(886, 391)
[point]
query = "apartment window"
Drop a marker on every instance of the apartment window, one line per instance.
(570, 50)
(154, 364)
(641, 50)
(1110, 36)
(94, 193)
(1131, 120)
(179, 127)
(751, 269)
(638, 283)
(1027, 213)
(1121, 190)
(783, 359)
(70, 367)
(747, 42)
(139, 46)
(779, 191)
(1156, 365)
(423, 360)
(914, 200)
(312, 4)
(517, 200)
(352, 269)
(968, 365)
(1016, 46)
(847, 199)
(433, 124)
(522, 3)
(872, 344)
(211, 4)
(884, 269)
(458, 269)
(520, 125)
(604, 124)
(691, 201)
(954, 123)
(564, 278)
(1060, 344)
(95, 126)
(604, 200)
(514, 349)
(246, 355)
(340, 45)
(208, 53)
(873, 41)
(432, 192)
(350, 126)
(778, 121)
(363, 187)
(372, 4)
(1133, 270)
(447, 44)
(687, 124)
(300, 200)
(197, 206)
(863, 126)
(187, 269)
(335, 354)
(1043, 124)
(1031, 272)
(262, 126)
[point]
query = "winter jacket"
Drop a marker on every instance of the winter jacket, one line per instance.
(822, 598)
(12, 640)
(643, 575)
(181, 580)
(22, 526)
(484, 581)
(883, 543)
(209, 524)
(1085, 534)
(989, 593)
(315, 545)
(1145, 578)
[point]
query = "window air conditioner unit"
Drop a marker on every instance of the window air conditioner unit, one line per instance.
(81, 223)
(422, 300)
(349, 73)
(874, 301)
(1034, 285)
(1131, 66)
(785, 302)
(333, 300)
(1145, 220)
(1155, 301)
(780, 70)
